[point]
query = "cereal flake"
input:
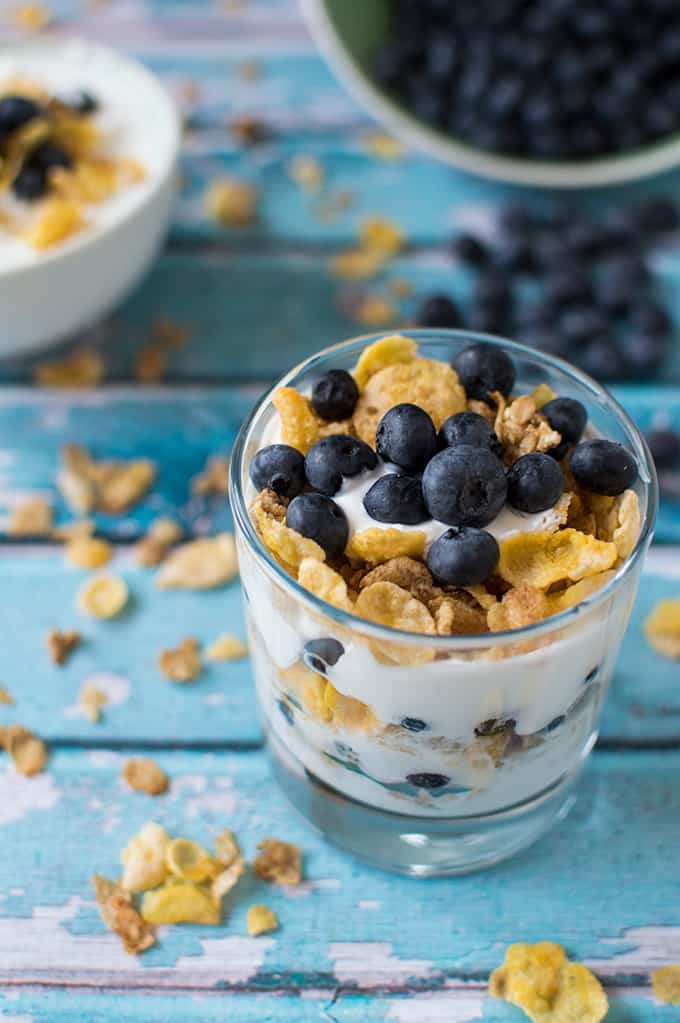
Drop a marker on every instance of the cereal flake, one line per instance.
(201, 564)
(375, 545)
(231, 203)
(144, 775)
(666, 984)
(81, 369)
(521, 606)
(120, 916)
(541, 559)
(88, 552)
(214, 479)
(521, 428)
(31, 517)
(280, 862)
(386, 351)
(183, 663)
(103, 596)
(62, 644)
(143, 859)
(226, 647)
(91, 701)
(261, 920)
(324, 583)
(28, 752)
(662, 628)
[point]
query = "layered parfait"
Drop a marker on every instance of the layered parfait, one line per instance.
(454, 540)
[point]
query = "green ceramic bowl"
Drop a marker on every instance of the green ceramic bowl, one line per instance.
(350, 32)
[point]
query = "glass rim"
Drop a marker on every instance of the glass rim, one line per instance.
(463, 641)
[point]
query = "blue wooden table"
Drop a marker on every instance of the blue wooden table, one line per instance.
(355, 944)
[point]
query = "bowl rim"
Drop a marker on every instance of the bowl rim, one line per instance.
(608, 170)
(247, 531)
(162, 99)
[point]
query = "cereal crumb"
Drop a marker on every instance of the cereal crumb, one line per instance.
(151, 364)
(31, 517)
(231, 203)
(356, 264)
(226, 648)
(521, 606)
(214, 478)
(248, 130)
(5, 696)
(145, 775)
(324, 582)
(91, 701)
(120, 916)
(28, 752)
(261, 919)
(88, 552)
(183, 902)
(662, 628)
(550, 989)
(58, 220)
(103, 596)
(62, 644)
(163, 534)
(143, 859)
(383, 146)
(112, 486)
(32, 17)
(183, 663)
(280, 862)
(307, 172)
(376, 545)
(80, 369)
(375, 311)
(74, 530)
(200, 564)
(666, 984)
(230, 859)
(381, 235)
(522, 428)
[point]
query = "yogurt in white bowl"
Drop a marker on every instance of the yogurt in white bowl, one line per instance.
(48, 294)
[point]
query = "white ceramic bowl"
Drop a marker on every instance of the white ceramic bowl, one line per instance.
(345, 47)
(50, 295)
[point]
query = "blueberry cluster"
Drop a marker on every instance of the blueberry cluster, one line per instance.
(544, 79)
(595, 303)
(664, 445)
(16, 111)
(454, 476)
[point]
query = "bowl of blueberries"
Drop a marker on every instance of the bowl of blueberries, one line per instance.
(548, 93)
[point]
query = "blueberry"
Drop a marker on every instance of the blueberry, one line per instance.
(334, 458)
(516, 218)
(464, 486)
(322, 654)
(493, 289)
(516, 255)
(664, 446)
(279, 467)
(286, 710)
(657, 215)
(470, 250)
(413, 724)
(48, 155)
(427, 781)
(469, 428)
(486, 319)
(320, 519)
(535, 482)
(642, 354)
(484, 368)
(601, 358)
(649, 318)
(569, 418)
(463, 556)
(568, 286)
(335, 395)
(406, 437)
(15, 111)
(82, 102)
(603, 466)
(439, 311)
(30, 183)
(621, 279)
(580, 323)
(396, 498)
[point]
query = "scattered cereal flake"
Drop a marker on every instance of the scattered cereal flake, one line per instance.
(458, 614)
(214, 479)
(521, 428)
(226, 848)
(250, 71)
(32, 17)
(229, 857)
(163, 534)
(542, 394)
(307, 172)
(325, 583)
(183, 663)
(357, 264)
(405, 572)
(578, 592)
(91, 700)
(120, 915)
(389, 605)
(280, 862)
(58, 220)
(383, 146)
(201, 564)
(28, 752)
(145, 775)
(123, 485)
(80, 369)
(151, 364)
(261, 919)
(662, 628)
(110, 486)
(169, 333)
(541, 559)
(231, 203)
(104, 596)
(299, 423)
(666, 984)
(88, 552)
(520, 606)
(143, 859)
(248, 130)
(62, 644)
(32, 517)
(75, 530)
(376, 545)
(269, 503)
(381, 235)
(375, 311)
(401, 288)
(289, 546)
(386, 351)
(541, 981)
(227, 647)
(182, 902)
(624, 523)
(5, 696)
(189, 860)
(428, 383)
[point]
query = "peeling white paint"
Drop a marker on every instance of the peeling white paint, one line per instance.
(214, 699)
(20, 796)
(428, 1008)
(663, 562)
(103, 758)
(369, 905)
(233, 959)
(373, 964)
(654, 946)
(116, 688)
(305, 888)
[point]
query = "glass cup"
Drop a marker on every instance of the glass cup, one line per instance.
(431, 755)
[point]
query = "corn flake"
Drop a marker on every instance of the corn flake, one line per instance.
(324, 583)
(540, 559)
(382, 146)
(120, 915)
(381, 235)
(227, 648)
(375, 311)
(32, 517)
(189, 860)
(91, 701)
(386, 351)
(57, 220)
(357, 264)
(80, 369)
(519, 607)
(229, 858)
(109, 486)
(183, 663)
(163, 534)
(300, 426)
(200, 564)
(231, 203)
(214, 479)
(260, 920)
(280, 862)
(181, 902)
(346, 711)
(578, 592)
(104, 596)
(5, 696)
(144, 775)
(144, 859)
(27, 751)
(550, 989)
(521, 428)
(666, 984)
(309, 688)
(376, 545)
(62, 644)
(88, 552)
(662, 628)
(307, 172)
(387, 604)
(289, 546)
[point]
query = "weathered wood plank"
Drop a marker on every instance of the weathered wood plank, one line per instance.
(38, 593)
(610, 895)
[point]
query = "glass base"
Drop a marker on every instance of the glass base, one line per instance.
(419, 846)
